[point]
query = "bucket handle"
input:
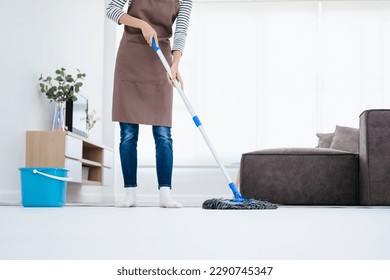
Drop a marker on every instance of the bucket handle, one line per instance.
(66, 179)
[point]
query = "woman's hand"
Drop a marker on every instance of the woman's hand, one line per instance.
(175, 69)
(176, 75)
(149, 33)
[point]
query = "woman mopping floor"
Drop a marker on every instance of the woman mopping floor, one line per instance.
(142, 90)
(238, 202)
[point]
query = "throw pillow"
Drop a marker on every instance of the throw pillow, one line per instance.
(346, 139)
(325, 140)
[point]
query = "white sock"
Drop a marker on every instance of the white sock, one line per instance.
(166, 199)
(130, 199)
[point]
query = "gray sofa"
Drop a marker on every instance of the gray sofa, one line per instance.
(318, 176)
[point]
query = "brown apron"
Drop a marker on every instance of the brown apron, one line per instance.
(142, 94)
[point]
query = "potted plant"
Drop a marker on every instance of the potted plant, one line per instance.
(61, 89)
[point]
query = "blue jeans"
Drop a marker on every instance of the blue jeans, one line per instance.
(128, 154)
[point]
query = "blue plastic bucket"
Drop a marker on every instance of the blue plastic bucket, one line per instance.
(43, 186)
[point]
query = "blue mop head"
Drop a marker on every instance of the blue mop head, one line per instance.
(238, 205)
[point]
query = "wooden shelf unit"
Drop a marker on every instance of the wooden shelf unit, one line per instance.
(68, 150)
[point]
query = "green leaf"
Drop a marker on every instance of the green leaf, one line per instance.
(52, 90)
(69, 79)
(42, 88)
(60, 72)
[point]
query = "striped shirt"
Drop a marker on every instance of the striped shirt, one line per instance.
(115, 10)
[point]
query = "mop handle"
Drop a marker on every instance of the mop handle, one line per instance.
(195, 118)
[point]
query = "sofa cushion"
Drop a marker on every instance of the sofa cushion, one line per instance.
(346, 139)
(325, 140)
(300, 176)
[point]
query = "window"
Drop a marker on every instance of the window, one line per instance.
(272, 74)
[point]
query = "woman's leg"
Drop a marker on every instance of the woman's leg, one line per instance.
(164, 165)
(164, 155)
(128, 156)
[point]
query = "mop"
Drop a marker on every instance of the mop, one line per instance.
(238, 202)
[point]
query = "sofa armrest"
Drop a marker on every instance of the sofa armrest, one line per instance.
(374, 157)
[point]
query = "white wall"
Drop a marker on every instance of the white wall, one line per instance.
(38, 37)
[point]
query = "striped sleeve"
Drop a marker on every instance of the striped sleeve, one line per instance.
(182, 22)
(114, 9)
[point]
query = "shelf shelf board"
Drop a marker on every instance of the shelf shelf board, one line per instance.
(87, 142)
(89, 182)
(87, 162)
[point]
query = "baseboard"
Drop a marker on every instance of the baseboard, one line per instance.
(186, 200)
(10, 197)
(90, 194)
(13, 197)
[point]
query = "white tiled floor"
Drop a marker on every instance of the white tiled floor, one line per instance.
(192, 233)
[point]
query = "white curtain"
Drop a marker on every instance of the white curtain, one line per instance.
(272, 74)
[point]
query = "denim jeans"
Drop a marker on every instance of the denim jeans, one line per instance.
(128, 154)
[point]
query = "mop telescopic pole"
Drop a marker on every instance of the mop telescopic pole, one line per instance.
(237, 195)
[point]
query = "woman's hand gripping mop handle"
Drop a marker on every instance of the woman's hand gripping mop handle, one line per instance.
(237, 196)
